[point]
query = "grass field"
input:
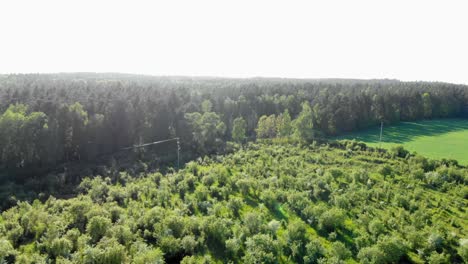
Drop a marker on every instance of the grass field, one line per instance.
(442, 138)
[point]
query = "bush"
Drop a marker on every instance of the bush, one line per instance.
(97, 227)
(371, 255)
(463, 249)
(332, 219)
(399, 151)
(6, 250)
(385, 170)
(376, 227)
(189, 243)
(60, 247)
(340, 251)
(233, 246)
(394, 248)
(435, 241)
(154, 256)
(436, 258)
(314, 251)
(260, 248)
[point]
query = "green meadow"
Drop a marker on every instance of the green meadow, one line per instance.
(437, 139)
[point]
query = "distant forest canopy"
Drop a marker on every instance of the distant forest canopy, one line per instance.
(46, 119)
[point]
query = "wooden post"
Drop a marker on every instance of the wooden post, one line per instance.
(381, 129)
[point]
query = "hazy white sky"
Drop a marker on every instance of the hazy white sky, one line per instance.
(403, 39)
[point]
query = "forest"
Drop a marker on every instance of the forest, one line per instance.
(260, 178)
(78, 117)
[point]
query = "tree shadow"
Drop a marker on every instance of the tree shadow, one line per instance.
(407, 131)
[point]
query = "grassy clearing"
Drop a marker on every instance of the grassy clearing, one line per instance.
(437, 139)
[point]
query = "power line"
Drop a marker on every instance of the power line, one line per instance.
(159, 142)
(151, 143)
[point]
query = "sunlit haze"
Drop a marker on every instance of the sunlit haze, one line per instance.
(407, 40)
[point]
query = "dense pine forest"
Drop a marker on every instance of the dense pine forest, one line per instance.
(260, 179)
(78, 117)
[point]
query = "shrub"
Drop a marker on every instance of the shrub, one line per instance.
(371, 255)
(376, 227)
(399, 151)
(463, 249)
(233, 246)
(332, 219)
(260, 248)
(436, 258)
(189, 243)
(154, 256)
(97, 227)
(314, 251)
(6, 250)
(393, 248)
(340, 251)
(60, 247)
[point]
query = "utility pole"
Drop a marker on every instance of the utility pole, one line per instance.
(381, 129)
(178, 156)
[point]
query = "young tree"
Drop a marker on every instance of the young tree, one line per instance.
(206, 106)
(77, 122)
(22, 136)
(427, 105)
(283, 124)
(266, 127)
(207, 130)
(304, 124)
(371, 255)
(238, 129)
(260, 248)
(97, 227)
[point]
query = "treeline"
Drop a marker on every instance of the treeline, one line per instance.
(50, 119)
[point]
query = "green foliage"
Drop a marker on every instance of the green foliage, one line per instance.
(339, 250)
(84, 120)
(266, 127)
(436, 258)
(304, 124)
(463, 249)
(154, 256)
(23, 136)
(260, 248)
(376, 227)
(284, 124)
(427, 105)
(6, 250)
(314, 252)
(207, 106)
(265, 203)
(399, 151)
(394, 248)
(208, 130)
(371, 255)
(385, 170)
(332, 219)
(60, 247)
(238, 129)
(97, 227)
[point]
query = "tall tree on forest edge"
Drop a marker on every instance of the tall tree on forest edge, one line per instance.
(283, 124)
(266, 127)
(238, 129)
(304, 125)
(427, 105)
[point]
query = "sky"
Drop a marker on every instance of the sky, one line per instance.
(398, 39)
